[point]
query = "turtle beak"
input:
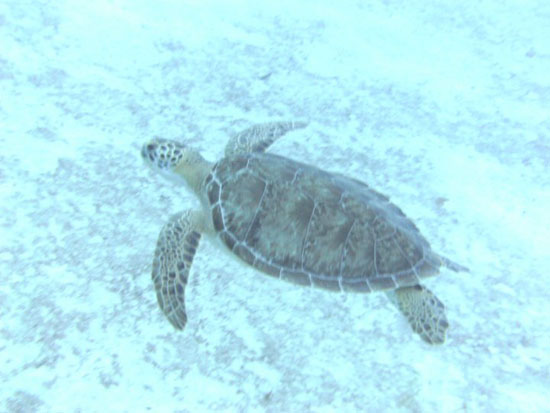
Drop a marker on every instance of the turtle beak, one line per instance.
(151, 152)
(148, 150)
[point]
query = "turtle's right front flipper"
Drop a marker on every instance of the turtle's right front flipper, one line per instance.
(258, 138)
(176, 246)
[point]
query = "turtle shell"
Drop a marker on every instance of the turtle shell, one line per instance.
(311, 227)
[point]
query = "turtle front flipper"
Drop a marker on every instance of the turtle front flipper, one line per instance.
(259, 137)
(423, 310)
(176, 246)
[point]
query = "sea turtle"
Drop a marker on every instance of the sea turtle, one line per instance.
(295, 222)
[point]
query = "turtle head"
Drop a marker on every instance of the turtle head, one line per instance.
(163, 155)
(175, 160)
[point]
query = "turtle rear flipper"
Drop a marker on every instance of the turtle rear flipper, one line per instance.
(423, 310)
(258, 138)
(176, 247)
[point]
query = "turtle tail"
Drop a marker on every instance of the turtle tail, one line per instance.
(453, 266)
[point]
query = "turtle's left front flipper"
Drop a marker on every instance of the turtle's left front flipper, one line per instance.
(176, 247)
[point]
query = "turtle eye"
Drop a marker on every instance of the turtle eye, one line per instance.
(151, 147)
